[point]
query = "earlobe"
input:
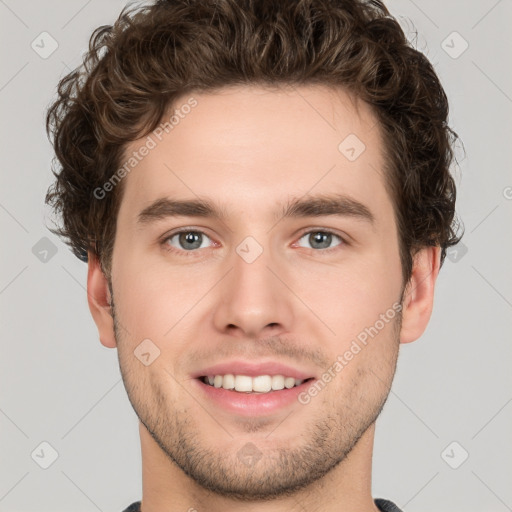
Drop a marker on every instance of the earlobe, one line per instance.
(98, 298)
(418, 298)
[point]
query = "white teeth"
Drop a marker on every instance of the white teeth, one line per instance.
(289, 382)
(262, 384)
(228, 381)
(243, 383)
(246, 384)
(277, 382)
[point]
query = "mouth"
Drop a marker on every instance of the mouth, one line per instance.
(252, 388)
(251, 396)
(260, 384)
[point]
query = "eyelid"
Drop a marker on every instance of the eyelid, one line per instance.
(344, 238)
(320, 229)
(185, 229)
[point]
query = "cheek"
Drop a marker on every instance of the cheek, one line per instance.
(135, 301)
(351, 297)
(364, 358)
(152, 299)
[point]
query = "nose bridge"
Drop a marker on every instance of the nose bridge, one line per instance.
(254, 284)
(251, 264)
(254, 297)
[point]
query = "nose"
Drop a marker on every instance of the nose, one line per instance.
(255, 300)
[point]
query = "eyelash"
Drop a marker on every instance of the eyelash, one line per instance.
(190, 253)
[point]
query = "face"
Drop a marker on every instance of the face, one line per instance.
(297, 276)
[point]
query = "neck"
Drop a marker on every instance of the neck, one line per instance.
(346, 488)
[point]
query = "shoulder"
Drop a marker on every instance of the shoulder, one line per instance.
(386, 505)
(134, 507)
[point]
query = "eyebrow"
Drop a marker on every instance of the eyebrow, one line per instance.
(317, 206)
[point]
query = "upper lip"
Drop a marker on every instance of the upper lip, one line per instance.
(253, 369)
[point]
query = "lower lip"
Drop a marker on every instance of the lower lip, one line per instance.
(252, 404)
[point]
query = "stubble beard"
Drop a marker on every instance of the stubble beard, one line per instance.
(325, 440)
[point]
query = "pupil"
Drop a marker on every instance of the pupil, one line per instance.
(190, 238)
(317, 238)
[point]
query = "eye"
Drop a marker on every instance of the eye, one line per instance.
(187, 240)
(321, 239)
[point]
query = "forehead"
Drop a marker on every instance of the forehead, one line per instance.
(252, 145)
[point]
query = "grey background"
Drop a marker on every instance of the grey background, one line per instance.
(60, 385)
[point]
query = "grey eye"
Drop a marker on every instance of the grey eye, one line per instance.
(188, 240)
(320, 239)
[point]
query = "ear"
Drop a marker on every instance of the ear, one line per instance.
(98, 297)
(419, 294)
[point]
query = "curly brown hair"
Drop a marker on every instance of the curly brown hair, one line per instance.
(153, 54)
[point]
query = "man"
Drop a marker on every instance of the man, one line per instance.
(262, 192)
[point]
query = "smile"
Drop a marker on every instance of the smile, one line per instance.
(248, 384)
